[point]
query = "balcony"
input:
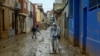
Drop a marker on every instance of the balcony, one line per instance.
(2, 1)
(58, 7)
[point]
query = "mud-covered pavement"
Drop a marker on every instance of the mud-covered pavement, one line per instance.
(26, 46)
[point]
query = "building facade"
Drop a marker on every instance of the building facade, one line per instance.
(50, 16)
(7, 18)
(23, 14)
(34, 15)
(38, 14)
(12, 18)
(4, 19)
(29, 18)
(84, 25)
(61, 15)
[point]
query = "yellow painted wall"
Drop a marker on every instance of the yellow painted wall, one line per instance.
(38, 14)
(7, 19)
(4, 34)
(11, 5)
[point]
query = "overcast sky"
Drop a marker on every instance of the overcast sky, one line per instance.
(47, 4)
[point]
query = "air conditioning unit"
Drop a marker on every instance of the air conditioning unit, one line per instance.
(2, 1)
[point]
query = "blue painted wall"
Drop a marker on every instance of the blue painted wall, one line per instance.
(93, 30)
(93, 27)
(74, 22)
(93, 38)
(71, 26)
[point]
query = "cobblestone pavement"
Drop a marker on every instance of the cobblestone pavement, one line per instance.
(26, 46)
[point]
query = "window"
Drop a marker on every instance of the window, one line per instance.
(94, 4)
(70, 8)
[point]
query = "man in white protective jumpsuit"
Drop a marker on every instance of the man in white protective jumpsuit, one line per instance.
(54, 35)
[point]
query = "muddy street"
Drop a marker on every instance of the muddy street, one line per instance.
(42, 46)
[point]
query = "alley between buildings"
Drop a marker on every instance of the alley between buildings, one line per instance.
(26, 46)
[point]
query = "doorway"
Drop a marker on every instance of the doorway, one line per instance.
(84, 29)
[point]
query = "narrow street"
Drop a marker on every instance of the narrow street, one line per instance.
(26, 46)
(76, 22)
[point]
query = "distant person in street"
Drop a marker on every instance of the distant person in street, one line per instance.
(34, 30)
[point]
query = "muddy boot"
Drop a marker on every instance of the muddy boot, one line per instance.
(54, 51)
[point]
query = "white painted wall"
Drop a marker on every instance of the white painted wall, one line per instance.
(29, 21)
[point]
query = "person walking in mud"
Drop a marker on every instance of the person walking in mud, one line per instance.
(54, 35)
(34, 30)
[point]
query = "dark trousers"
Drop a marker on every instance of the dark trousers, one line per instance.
(34, 35)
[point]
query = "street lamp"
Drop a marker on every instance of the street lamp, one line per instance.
(17, 8)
